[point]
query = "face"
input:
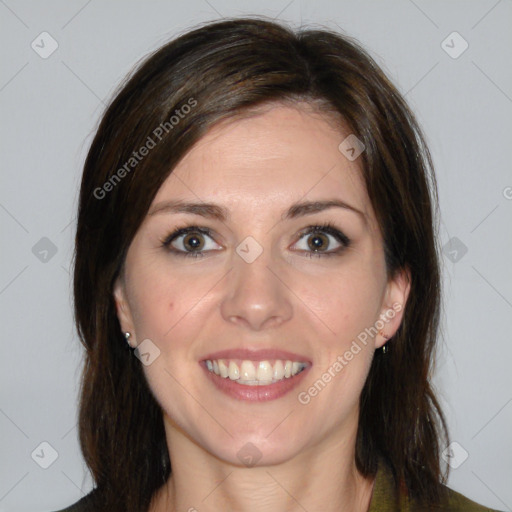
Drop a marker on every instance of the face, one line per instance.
(281, 256)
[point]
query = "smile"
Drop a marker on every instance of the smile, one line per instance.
(255, 373)
(254, 381)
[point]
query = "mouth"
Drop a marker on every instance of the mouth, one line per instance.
(255, 375)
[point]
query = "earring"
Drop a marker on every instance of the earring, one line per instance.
(384, 347)
(127, 335)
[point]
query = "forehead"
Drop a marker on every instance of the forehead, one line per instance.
(267, 161)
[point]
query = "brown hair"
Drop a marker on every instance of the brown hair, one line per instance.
(218, 71)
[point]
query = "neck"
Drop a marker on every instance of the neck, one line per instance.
(319, 478)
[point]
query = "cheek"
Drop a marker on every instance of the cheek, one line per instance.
(346, 301)
(166, 305)
(152, 296)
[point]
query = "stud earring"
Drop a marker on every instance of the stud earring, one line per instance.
(127, 335)
(384, 347)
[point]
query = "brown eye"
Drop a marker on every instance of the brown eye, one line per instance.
(322, 240)
(318, 242)
(193, 242)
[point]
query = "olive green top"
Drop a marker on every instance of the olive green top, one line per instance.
(385, 498)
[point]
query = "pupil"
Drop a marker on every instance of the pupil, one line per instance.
(317, 242)
(193, 241)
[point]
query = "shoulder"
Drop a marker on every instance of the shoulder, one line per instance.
(387, 498)
(452, 501)
(86, 504)
(456, 502)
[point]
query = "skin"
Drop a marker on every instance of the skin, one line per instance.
(256, 167)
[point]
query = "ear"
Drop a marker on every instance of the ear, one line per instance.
(123, 310)
(393, 307)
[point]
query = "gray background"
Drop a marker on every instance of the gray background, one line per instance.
(50, 108)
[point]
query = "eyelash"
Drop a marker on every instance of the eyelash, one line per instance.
(326, 228)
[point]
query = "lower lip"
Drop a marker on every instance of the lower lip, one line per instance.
(255, 393)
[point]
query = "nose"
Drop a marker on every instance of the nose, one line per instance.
(256, 298)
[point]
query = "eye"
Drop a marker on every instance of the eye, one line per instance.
(324, 240)
(195, 241)
(191, 241)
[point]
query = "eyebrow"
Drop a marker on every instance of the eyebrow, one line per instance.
(220, 213)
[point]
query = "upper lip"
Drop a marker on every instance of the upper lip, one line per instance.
(256, 355)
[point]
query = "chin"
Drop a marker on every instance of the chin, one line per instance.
(253, 450)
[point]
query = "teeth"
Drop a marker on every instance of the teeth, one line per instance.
(278, 370)
(251, 373)
(264, 372)
(223, 369)
(247, 371)
(233, 372)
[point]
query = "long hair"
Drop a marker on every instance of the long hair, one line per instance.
(215, 72)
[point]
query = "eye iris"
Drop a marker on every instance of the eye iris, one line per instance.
(318, 242)
(193, 241)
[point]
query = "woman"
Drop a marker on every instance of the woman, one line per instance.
(257, 284)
